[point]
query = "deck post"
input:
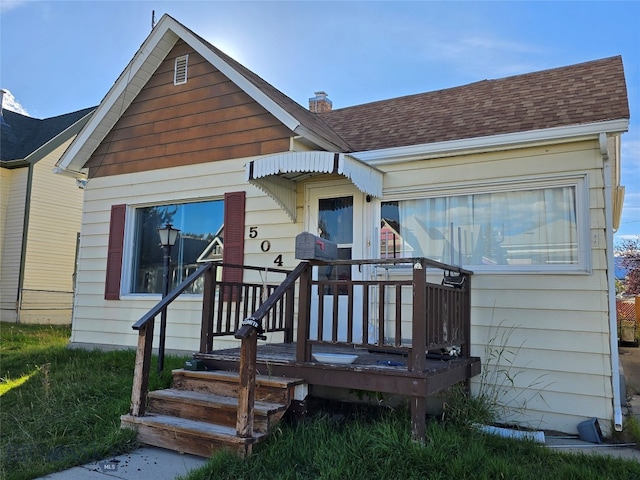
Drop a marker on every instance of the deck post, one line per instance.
(466, 315)
(139, 389)
(418, 359)
(303, 354)
(288, 316)
(247, 388)
(418, 418)
(208, 297)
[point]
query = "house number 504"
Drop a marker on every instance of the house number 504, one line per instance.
(265, 245)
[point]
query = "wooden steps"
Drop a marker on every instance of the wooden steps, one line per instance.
(198, 414)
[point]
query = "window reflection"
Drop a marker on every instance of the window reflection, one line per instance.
(201, 238)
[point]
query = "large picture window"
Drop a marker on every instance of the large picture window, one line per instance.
(532, 228)
(201, 238)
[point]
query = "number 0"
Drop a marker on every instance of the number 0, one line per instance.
(265, 246)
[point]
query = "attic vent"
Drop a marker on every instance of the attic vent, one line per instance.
(180, 73)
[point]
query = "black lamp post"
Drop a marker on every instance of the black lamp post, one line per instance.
(168, 236)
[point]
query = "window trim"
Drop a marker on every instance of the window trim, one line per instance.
(579, 182)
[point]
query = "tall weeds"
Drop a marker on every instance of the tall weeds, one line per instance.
(500, 396)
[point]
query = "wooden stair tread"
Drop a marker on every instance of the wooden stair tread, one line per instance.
(212, 399)
(182, 425)
(262, 380)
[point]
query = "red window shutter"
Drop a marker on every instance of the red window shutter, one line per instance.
(114, 252)
(233, 249)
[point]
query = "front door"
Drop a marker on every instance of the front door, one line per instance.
(336, 213)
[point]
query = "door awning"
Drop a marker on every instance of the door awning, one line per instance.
(278, 175)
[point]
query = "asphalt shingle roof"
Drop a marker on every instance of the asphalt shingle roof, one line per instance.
(578, 94)
(21, 135)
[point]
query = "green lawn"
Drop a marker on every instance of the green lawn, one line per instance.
(363, 449)
(60, 408)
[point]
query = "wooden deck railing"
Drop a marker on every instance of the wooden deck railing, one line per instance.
(248, 333)
(413, 305)
(427, 299)
(399, 307)
(225, 305)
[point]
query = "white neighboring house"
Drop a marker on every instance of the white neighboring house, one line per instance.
(517, 179)
(40, 215)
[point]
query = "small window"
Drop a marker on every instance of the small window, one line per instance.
(180, 73)
(201, 238)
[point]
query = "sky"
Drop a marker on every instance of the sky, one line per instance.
(61, 56)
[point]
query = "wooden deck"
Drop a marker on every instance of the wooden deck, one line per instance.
(393, 325)
(373, 370)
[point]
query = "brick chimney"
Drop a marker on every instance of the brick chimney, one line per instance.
(320, 103)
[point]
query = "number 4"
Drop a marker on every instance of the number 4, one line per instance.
(278, 260)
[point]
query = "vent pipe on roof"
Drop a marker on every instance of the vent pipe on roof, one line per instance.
(320, 103)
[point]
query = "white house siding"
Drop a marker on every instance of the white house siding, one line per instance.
(554, 326)
(5, 187)
(13, 191)
(108, 322)
(54, 222)
(559, 339)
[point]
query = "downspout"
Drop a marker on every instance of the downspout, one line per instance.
(613, 324)
(23, 249)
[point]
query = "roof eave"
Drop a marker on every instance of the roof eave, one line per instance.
(15, 163)
(489, 143)
(317, 140)
(232, 74)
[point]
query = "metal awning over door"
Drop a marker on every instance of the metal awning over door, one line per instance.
(278, 175)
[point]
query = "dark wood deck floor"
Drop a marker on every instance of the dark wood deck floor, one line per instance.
(377, 371)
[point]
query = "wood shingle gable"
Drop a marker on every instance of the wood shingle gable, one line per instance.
(585, 93)
(206, 119)
(153, 52)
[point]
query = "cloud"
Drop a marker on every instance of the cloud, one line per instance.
(477, 52)
(9, 102)
(6, 5)
(474, 54)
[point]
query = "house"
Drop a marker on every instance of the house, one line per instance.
(39, 218)
(515, 179)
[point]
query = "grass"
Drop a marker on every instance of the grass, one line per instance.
(61, 407)
(366, 449)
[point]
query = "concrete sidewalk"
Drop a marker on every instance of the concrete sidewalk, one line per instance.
(146, 463)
